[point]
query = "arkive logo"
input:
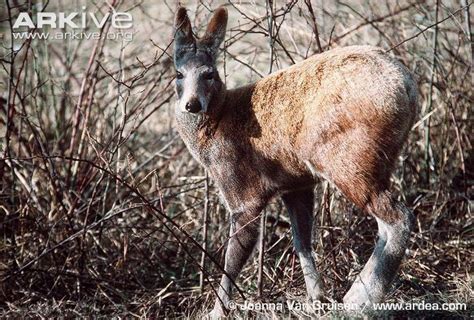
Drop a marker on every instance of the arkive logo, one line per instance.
(120, 20)
(75, 21)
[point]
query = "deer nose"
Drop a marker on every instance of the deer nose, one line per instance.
(193, 106)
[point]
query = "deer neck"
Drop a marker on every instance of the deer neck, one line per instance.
(199, 130)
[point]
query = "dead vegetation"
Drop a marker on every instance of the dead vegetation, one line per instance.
(104, 212)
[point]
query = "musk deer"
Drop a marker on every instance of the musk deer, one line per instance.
(341, 115)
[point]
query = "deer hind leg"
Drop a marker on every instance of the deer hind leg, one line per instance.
(395, 223)
(300, 207)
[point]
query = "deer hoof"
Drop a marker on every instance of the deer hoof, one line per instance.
(357, 298)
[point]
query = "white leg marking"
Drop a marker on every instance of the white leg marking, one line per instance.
(311, 276)
(373, 282)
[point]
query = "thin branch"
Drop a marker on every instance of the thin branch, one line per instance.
(315, 25)
(429, 27)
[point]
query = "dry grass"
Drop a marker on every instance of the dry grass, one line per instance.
(101, 206)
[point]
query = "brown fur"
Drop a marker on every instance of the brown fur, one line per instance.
(217, 24)
(346, 111)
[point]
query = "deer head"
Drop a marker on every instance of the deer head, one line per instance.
(197, 80)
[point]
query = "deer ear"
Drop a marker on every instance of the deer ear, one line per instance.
(183, 32)
(216, 28)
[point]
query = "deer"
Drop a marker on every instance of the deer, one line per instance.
(341, 116)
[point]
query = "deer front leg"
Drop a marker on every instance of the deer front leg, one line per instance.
(242, 239)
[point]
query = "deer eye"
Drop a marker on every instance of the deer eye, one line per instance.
(179, 75)
(208, 75)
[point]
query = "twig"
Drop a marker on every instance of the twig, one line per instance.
(470, 37)
(269, 7)
(369, 22)
(430, 97)
(427, 28)
(315, 25)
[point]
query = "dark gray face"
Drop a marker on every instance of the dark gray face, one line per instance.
(197, 80)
